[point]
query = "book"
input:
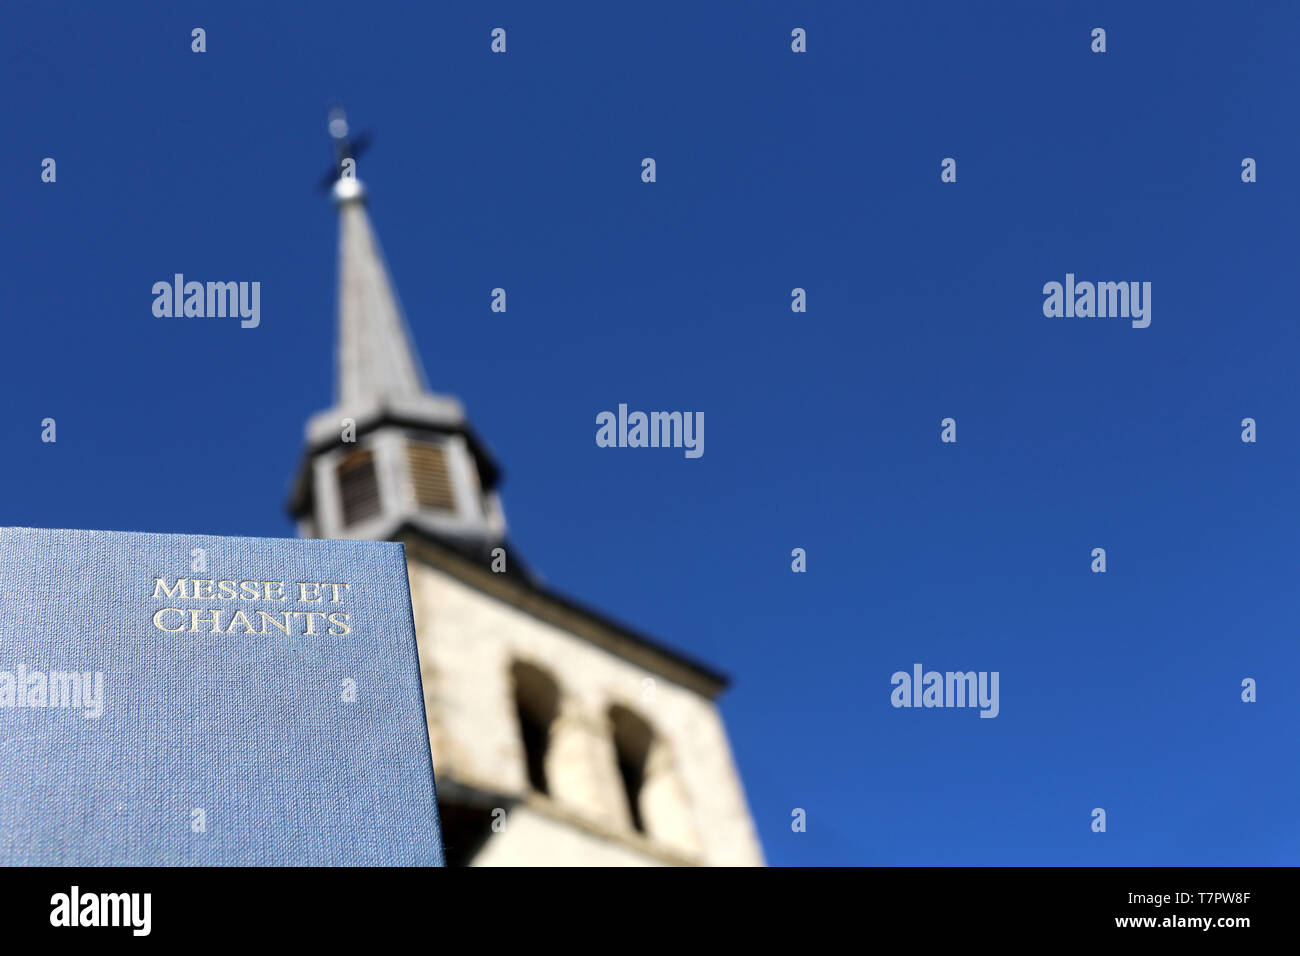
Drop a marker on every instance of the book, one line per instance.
(175, 700)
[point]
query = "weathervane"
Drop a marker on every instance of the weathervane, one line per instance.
(342, 178)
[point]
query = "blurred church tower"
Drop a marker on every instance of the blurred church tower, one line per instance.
(560, 737)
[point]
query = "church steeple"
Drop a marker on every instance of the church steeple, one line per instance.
(390, 454)
(375, 358)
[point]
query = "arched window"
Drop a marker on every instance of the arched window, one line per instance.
(537, 700)
(632, 740)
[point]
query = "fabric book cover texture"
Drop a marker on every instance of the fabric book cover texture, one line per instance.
(198, 700)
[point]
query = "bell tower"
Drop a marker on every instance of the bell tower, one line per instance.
(559, 735)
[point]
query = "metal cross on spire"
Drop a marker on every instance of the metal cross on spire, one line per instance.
(346, 148)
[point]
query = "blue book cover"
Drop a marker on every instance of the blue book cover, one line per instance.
(197, 700)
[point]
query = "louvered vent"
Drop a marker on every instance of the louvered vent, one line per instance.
(429, 476)
(358, 486)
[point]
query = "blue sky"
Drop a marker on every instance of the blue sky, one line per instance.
(775, 170)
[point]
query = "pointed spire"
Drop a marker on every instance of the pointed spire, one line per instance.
(375, 360)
